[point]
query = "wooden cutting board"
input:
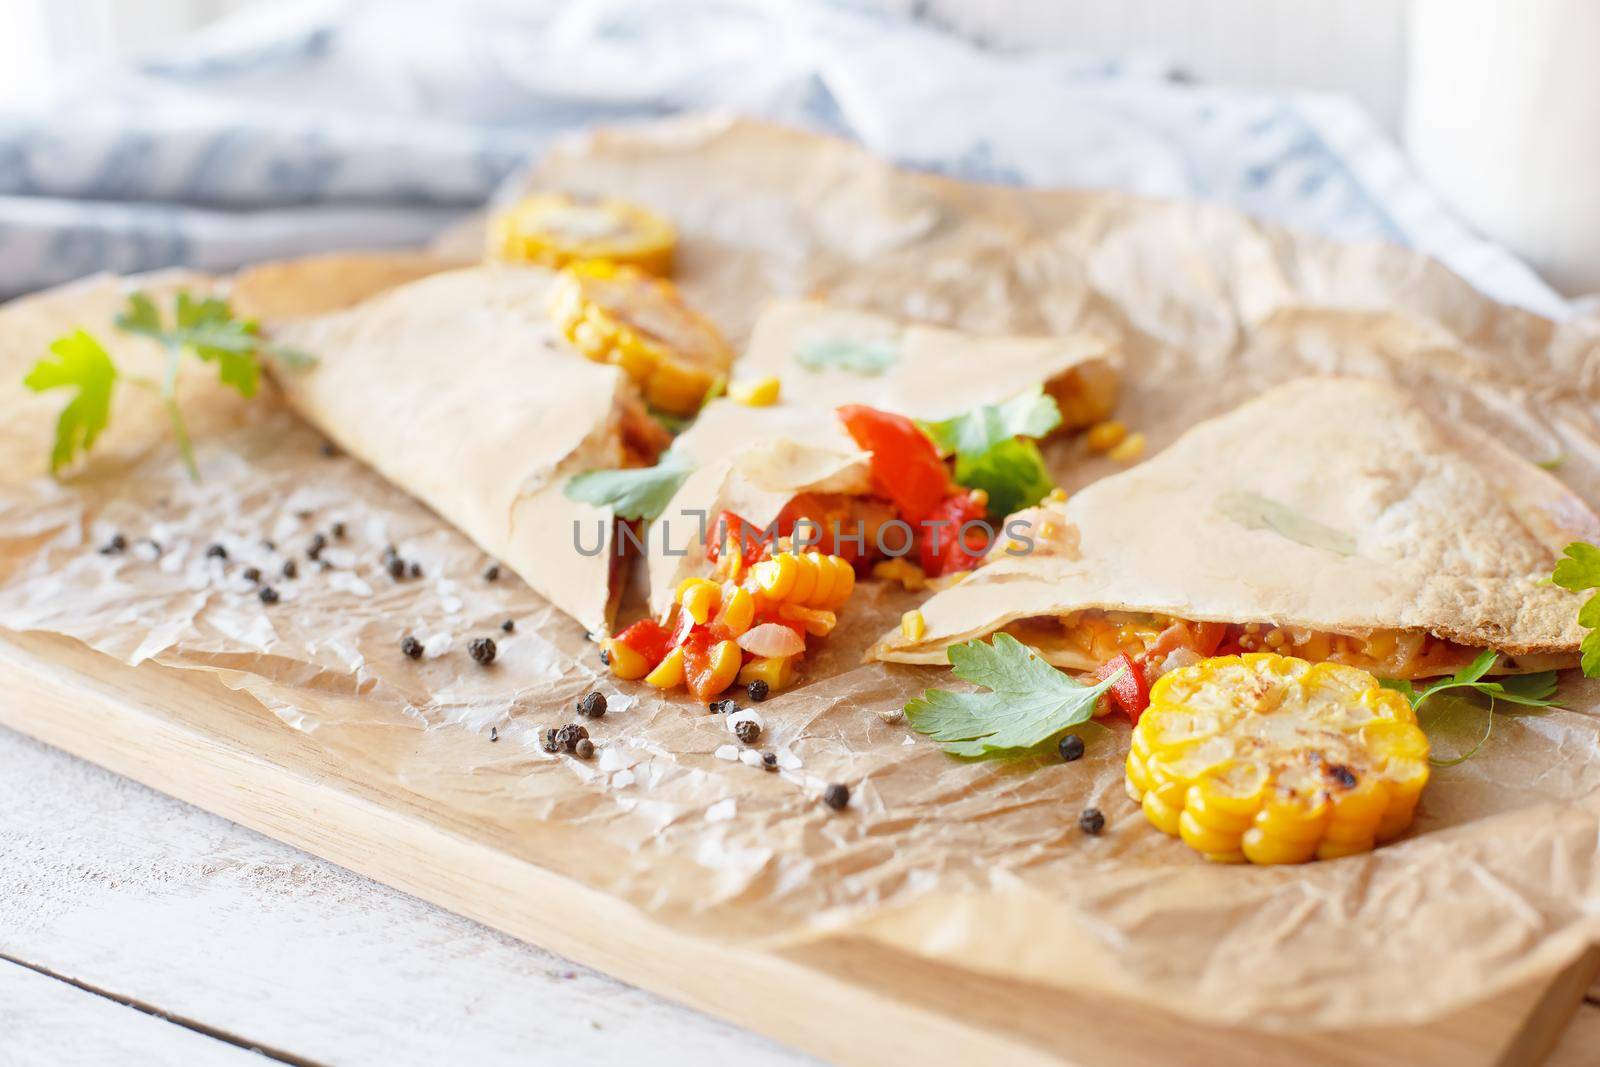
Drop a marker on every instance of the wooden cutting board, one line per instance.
(185, 734)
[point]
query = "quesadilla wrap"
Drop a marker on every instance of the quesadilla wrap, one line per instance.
(1329, 519)
(796, 459)
(458, 388)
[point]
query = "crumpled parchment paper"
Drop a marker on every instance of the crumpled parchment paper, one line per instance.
(980, 865)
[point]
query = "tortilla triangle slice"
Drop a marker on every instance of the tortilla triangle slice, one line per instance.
(1328, 518)
(754, 461)
(457, 388)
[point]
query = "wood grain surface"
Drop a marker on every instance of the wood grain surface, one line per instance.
(188, 736)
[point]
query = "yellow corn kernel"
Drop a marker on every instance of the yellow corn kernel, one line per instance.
(726, 659)
(777, 671)
(913, 625)
(699, 597)
(1104, 436)
(818, 623)
(625, 662)
(1131, 448)
(1271, 759)
(761, 393)
(738, 611)
(622, 316)
(805, 579)
(844, 581)
(1057, 495)
(775, 577)
(669, 672)
(901, 570)
(677, 387)
(555, 229)
(809, 579)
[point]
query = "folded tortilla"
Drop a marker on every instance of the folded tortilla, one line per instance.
(315, 285)
(458, 389)
(753, 461)
(1331, 506)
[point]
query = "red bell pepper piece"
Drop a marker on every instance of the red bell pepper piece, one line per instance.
(648, 638)
(906, 467)
(727, 528)
(942, 548)
(1130, 693)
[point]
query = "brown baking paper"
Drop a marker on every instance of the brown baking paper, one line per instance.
(980, 865)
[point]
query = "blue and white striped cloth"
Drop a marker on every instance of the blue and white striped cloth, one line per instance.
(365, 123)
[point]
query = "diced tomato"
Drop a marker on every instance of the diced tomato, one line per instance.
(1130, 693)
(954, 551)
(697, 662)
(729, 527)
(1207, 636)
(648, 638)
(906, 467)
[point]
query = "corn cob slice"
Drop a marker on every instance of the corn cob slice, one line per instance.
(1272, 759)
(619, 315)
(555, 229)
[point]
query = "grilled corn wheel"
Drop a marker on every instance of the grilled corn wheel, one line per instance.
(1271, 759)
(618, 314)
(555, 229)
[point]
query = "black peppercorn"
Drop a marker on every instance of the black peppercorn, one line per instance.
(291, 569)
(592, 705)
(494, 733)
(836, 796)
(270, 546)
(267, 594)
(550, 739)
(584, 749)
(329, 450)
(252, 574)
(396, 567)
(318, 543)
(1092, 821)
(482, 649)
(605, 657)
(747, 731)
(1071, 748)
(338, 530)
(570, 734)
(114, 546)
(769, 760)
(216, 552)
(389, 552)
(324, 565)
(411, 646)
(508, 625)
(492, 574)
(758, 690)
(415, 570)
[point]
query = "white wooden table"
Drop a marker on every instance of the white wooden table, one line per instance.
(135, 929)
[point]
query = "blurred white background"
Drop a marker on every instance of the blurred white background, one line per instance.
(1497, 102)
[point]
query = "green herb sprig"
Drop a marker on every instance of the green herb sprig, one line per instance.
(631, 493)
(1523, 690)
(995, 452)
(1579, 572)
(203, 327)
(1028, 702)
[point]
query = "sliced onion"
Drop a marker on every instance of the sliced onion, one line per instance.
(1178, 657)
(771, 639)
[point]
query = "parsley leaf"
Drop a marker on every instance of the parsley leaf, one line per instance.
(993, 451)
(203, 326)
(81, 364)
(1029, 702)
(869, 359)
(632, 493)
(1580, 570)
(1028, 414)
(1012, 473)
(1524, 690)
